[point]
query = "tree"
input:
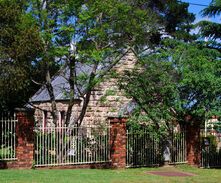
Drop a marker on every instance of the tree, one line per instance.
(20, 44)
(180, 82)
(96, 33)
(85, 33)
(209, 29)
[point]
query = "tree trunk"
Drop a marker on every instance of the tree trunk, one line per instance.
(193, 143)
(52, 98)
(72, 82)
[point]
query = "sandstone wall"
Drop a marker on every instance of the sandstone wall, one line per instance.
(106, 99)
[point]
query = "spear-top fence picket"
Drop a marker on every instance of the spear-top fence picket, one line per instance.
(7, 136)
(146, 149)
(143, 149)
(58, 146)
(71, 145)
(178, 148)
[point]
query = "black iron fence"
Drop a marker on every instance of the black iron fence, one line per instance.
(144, 149)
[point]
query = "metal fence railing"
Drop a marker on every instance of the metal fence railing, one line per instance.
(145, 149)
(210, 150)
(210, 158)
(178, 148)
(7, 137)
(68, 146)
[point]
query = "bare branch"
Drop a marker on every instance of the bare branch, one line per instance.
(37, 83)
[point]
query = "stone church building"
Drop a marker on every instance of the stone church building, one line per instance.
(106, 99)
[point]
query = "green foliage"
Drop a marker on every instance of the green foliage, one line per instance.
(213, 9)
(142, 124)
(179, 80)
(213, 143)
(93, 33)
(179, 20)
(101, 29)
(20, 44)
(211, 29)
(108, 92)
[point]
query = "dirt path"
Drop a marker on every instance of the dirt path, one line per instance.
(170, 171)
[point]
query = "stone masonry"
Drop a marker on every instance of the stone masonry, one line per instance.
(106, 99)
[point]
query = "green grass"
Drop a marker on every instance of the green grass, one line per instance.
(138, 175)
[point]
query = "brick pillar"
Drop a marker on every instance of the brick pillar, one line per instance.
(118, 140)
(25, 139)
(193, 144)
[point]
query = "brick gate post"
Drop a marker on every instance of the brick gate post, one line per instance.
(193, 144)
(25, 138)
(118, 141)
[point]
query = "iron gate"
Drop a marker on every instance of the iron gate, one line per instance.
(144, 149)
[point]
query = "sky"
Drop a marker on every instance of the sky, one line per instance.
(197, 8)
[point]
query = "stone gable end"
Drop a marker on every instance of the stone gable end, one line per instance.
(106, 99)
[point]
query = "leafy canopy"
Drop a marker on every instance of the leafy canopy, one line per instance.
(95, 33)
(211, 30)
(179, 80)
(20, 43)
(92, 33)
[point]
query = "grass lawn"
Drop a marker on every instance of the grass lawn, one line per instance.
(138, 175)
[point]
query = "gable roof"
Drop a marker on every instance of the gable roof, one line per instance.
(61, 85)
